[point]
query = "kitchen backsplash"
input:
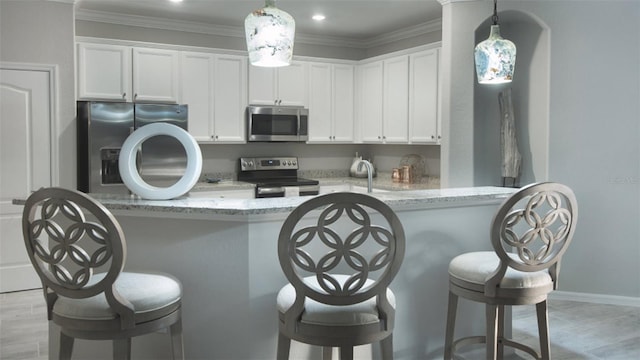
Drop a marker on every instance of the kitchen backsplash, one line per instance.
(221, 161)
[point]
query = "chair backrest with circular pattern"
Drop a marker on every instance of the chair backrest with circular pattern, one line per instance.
(69, 237)
(349, 257)
(533, 228)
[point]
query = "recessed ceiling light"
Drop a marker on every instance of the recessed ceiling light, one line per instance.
(318, 17)
(176, 1)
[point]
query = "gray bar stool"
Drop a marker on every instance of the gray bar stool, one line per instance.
(339, 252)
(530, 232)
(78, 249)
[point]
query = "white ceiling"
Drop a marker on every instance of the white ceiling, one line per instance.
(349, 19)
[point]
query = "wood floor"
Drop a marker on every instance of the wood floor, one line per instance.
(578, 330)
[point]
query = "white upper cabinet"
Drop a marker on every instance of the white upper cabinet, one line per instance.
(331, 103)
(104, 72)
(197, 92)
(279, 86)
(398, 99)
(371, 92)
(423, 97)
(343, 103)
(155, 75)
(113, 72)
(395, 105)
(230, 97)
(214, 88)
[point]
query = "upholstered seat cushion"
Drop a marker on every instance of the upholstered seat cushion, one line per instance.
(318, 313)
(146, 292)
(475, 267)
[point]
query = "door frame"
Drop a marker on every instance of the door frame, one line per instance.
(52, 71)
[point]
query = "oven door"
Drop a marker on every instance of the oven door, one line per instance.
(276, 123)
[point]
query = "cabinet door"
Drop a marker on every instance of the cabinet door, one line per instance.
(320, 107)
(343, 103)
(197, 78)
(104, 72)
(230, 94)
(396, 100)
(423, 97)
(262, 85)
(292, 84)
(155, 75)
(370, 81)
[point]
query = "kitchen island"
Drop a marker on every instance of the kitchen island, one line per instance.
(224, 252)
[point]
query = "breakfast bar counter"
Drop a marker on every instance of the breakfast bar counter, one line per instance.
(203, 201)
(224, 251)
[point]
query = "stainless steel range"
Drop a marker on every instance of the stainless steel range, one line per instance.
(276, 177)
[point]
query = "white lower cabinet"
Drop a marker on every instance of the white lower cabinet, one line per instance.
(331, 103)
(214, 88)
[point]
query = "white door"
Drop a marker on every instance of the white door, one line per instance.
(25, 165)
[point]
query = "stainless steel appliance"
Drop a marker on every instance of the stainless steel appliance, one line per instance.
(276, 177)
(277, 123)
(102, 129)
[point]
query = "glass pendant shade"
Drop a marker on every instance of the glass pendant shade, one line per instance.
(270, 32)
(495, 59)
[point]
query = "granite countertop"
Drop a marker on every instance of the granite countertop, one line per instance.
(205, 199)
(408, 199)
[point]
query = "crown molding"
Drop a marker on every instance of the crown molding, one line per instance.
(238, 32)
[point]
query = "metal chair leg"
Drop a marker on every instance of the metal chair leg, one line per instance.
(386, 346)
(543, 329)
(284, 344)
(500, 332)
(451, 324)
(177, 346)
(122, 349)
(346, 353)
(492, 331)
(66, 346)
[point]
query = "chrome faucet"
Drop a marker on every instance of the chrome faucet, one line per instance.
(369, 167)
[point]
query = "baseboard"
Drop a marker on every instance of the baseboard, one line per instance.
(595, 298)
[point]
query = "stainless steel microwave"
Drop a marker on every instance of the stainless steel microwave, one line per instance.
(277, 123)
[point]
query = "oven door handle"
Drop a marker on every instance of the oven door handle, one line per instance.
(270, 190)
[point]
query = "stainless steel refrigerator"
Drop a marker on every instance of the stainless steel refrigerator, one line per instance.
(103, 128)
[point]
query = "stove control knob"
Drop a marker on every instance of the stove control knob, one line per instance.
(293, 163)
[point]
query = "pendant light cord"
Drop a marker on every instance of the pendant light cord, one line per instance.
(495, 12)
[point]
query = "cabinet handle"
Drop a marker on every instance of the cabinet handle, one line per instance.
(439, 137)
(124, 95)
(432, 137)
(379, 137)
(135, 96)
(384, 137)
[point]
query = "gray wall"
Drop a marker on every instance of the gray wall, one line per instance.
(593, 125)
(42, 32)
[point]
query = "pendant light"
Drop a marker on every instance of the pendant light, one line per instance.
(270, 32)
(495, 57)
